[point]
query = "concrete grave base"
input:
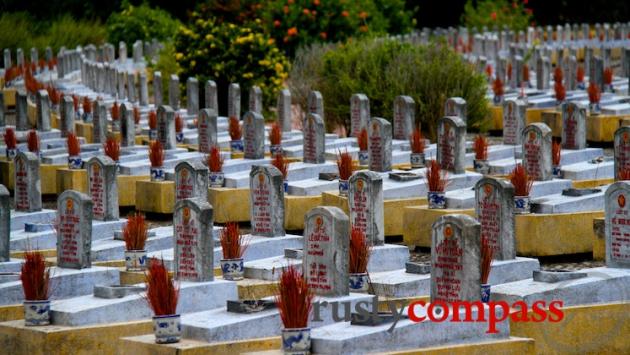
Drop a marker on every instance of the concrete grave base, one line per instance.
(505, 166)
(13, 265)
(344, 338)
(18, 219)
(111, 249)
(383, 258)
(398, 283)
(86, 310)
(219, 325)
(601, 285)
(64, 283)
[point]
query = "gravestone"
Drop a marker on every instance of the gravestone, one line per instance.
(456, 106)
(157, 89)
(138, 57)
(234, 100)
(74, 230)
(192, 96)
(365, 202)
(3, 120)
(284, 110)
(451, 144)
(380, 144)
(596, 72)
(326, 256)
(255, 99)
(28, 191)
(173, 92)
(207, 129)
(21, 118)
(494, 204)
(5, 224)
(144, 89)
(131, 87)
(316, 103)
(166, 127)
(571, 73)
(99, 122)
(43, 111)
(266, 201)
(122, 52)
(514, 112)
(359, 113)
(103, 187)
(34, 55)
(194, 245)
(622, 150)
(537, 151)
(7, 59)
(67, 116)
(253, 135)
(121, 84)
(455, 259)
(127, 125)
(573, 126)
(211, 96)
(617, 225)
(543, 65)
(404, 117)
(314, 139)
(191, 181)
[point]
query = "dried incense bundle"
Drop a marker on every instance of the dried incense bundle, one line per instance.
(179, 123)
(215, 160)
(359, 251)
(156, 154)
(362, 139)
(32, 141)
(486, 261)
(152, 119)
(480, 145)
(74, 147)
(35, 277)
(593, 93)
(112, 148)
(560, 91)
(294, 299)
(280, 162)
(10, 140)
(435, 177)
(161, 293)
(344, 164)
(556, 148)
(497, 87)
(275, 134)
(235, 129)
(417, 141)
(521, 181)
(233, 243)
(135, 232)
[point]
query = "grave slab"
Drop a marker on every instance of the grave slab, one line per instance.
(65, 283)
(588, 170)
(87, 310)
(111, 249)
(559, 203)
(22, 240)
(505, 166)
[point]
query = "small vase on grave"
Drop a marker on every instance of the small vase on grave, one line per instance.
(135, 260)
(232, 269)
(521, 205)
(168, 328)
(216, 178)
(36, 312)
(359, 282)
(437, 199)
(296, 340)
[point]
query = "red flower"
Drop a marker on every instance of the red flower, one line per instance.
(316, 2)
(306, 12)
(292, 31)
(493, 16)
(323, 35)
(344, 13)
(276, 23)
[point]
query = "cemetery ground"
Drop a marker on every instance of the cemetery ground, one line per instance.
(137, 217)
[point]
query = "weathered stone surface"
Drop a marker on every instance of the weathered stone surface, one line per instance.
(365, 202)
(21, 119)
(380, 144)
(157, 89)
(43, 111)
(253, 135)
(255, 99)
(622, 150)
(74, 235)
(314, 139)
(173, 91)
(127, 126)
(267, 201)
(513, 121)
(617, 209)
(103, 187)
(192, 96)
(326, 251)
(28, 191)
(494, 205)
(194, 244)
(67, 115)
(166, 127)
(191, 181)
(284, 110)
(99, 122)
(456, 106)
(316, 103)
(456, 259)
(537, 151)
(359, 113)
(234, 100)
(573, 126)
(5, 224)
(144, 89)
(451, 144)
(211, 96)
(404, 117)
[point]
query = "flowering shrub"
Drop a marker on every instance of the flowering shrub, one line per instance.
(501, 13)
(140, 23)
(294, 23)
(383, 70)
(228, 53)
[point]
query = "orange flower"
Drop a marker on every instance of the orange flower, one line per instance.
(316, 2)
(323, 35)
(345, 13)
(290, 2)
(363, 15)
(363, 28)
(285, 9)
(292, 31)
(276, 23)
(493, 16)
(306, 12)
